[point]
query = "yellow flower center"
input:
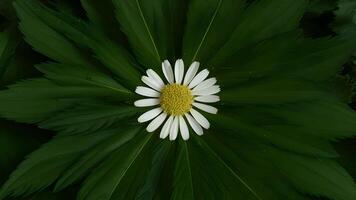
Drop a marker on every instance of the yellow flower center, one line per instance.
(176, 99)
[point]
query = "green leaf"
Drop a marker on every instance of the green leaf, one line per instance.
(209, 25)
(260, 21)
(158, 159)
(142, 182)
(84, 165)
(102, 15)
(88, 117)
(320, 6)
(285, 137)
(7, 10)
(32, 101)
(9, 40)
(46, 40)
(268, 92)
(45, 165)
(68, 75)
(183, 183)
(250, 166)
(103, 182)
(284, 56)
(15, 142)
(115, 58)
(339, 118)
(208, 176)
(151, 28)
(325, 177)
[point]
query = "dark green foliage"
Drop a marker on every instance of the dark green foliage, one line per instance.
(278, 117)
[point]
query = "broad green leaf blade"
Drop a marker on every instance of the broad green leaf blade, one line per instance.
(114, 57)
(93, 158)
(103, 182)
(45, 165)
(33, 100)
(272, 92)
(288, 138)
(329, 120)
(141, 180)
(261, 20)
(319, 177)
(284, 56)
(219, 180)
(209, 25)
(68, 75)
(46, 40)
(183, 182)
(89, 117)
(254, 163)
(159, 157)
(152, 28)
(102, 15)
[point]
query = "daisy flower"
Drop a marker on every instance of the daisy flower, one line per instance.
(177, 99)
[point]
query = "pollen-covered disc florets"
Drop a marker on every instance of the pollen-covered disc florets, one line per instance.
(177, 99)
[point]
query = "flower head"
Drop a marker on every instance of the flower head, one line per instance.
(178, 99)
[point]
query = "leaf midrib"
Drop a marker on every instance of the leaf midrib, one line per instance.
(189, 168)
(207, 30)
(148, 30)
(131, 163)
(232, 172)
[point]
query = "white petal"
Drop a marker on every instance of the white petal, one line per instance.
(179, 71)
(207, 98)
(206, 108)
(194, 124)
(201, 76)
(166, 127)
(151, 83)
(167, 71)
(148, 92)
(155, 76)
(147, 116)
(173, 132)
(184, 131)
(200, 119)
(205, 84)
(156, 122)
(146, 102)
(208, 91)
(192, 71)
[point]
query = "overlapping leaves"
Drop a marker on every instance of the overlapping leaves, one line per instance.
(271, 139)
